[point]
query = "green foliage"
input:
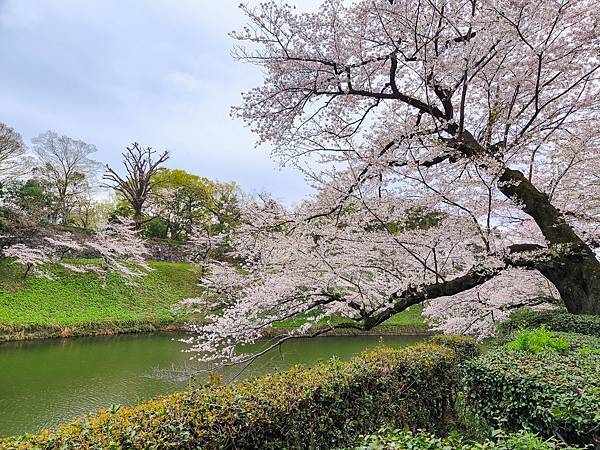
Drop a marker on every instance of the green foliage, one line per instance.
(179, 202)
(420, 440)
(325, 406)
(182, 200)
(547, 392)
(4, 214)
(464, 346)
(31, 197)
(121, 208)
(156, 229)
(79, 303)
(538, 340)
(579, 343)
(186, 204)
(554, 320)
(407, 321)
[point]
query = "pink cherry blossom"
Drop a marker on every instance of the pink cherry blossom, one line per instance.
(454, 150)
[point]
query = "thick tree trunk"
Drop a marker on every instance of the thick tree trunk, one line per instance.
(576, 273)
(578, 282)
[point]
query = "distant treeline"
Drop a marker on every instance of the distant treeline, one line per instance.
(55, 182)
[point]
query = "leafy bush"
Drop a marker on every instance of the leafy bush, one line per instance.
(402, 439)
(554, 320)
(464, 346)
(325, 406)
(538, 340)
(580, 342)
(547, 392)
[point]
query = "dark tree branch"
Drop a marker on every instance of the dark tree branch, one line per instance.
(137, 184)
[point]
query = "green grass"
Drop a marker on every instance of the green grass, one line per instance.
(412, 316)
(71, 299)
(410, 320)
(71, 303)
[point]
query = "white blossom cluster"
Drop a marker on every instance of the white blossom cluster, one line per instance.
(121, 249)
(441, 137)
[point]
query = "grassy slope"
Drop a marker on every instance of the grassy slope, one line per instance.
(410, 317)
(71, 303)
(408, 321)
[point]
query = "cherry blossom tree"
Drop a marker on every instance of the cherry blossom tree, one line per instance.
(31, 258)
(483, 113)
(120, 247)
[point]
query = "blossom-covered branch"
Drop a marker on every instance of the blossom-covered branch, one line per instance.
(121, 248)
(439, 137)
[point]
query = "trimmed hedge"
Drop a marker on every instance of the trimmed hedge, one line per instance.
(325, 406)
(554, 320)
(548, 392)
(420, 440)
(464, 346)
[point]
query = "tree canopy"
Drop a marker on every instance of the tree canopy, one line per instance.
(66, 169)
(12, 148)
(483, 111)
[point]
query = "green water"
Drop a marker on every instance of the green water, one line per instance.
(44, 383)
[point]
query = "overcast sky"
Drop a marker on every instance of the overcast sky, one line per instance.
(159, 72)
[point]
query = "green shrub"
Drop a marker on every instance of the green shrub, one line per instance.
(538, 340)
(466, 347)
(554, 320)
(325, 406)
(580, 342)
(575, 341)
(547, 392)
(403, 439)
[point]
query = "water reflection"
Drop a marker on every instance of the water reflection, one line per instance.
(44, 383)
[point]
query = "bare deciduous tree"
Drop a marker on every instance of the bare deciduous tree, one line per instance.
(141, 166)
(12, 149)
(65, 165)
